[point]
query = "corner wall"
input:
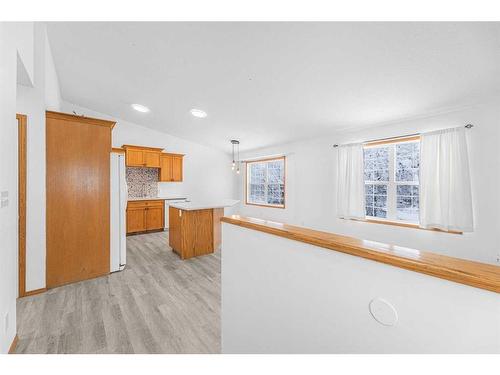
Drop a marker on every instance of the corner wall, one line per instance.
(33, 101)
(311, 186)
(17, 41)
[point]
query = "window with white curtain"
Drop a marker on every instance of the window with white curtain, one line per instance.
(265, 185)
(391, 174)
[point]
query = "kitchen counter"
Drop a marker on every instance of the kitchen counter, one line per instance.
(195, 227)
(192, 206)
(132, 199)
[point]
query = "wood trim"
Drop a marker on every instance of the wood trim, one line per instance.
(406, 225)
(172, 154)
(479, 275)
(35, 292)
(142, 148)
(13, 345)
(22, 122)
(84, 119)
(392, 140)
(284, 182)
(118, 150)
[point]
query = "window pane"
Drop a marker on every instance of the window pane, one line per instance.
(266, 182)
(376, 164)
(407, 202)
(407, 161)
(276, 194)
(378, 212)
(376, 200)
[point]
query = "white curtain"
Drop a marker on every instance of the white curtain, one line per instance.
(351, 184)
(445, 187)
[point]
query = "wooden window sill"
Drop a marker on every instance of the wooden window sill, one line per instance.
(406, 225)
(264, 205)
(476, 274)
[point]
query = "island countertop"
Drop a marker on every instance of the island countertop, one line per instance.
(192, 206)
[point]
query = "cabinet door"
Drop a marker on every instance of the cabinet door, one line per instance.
(154, 218)
(152, 159)
(166, 168)
(136, 219)
(135, 158)
(174, 230)
(177, 168)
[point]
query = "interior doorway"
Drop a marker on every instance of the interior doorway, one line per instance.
(22, 165)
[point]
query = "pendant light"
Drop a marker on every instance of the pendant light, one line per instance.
(236, 163)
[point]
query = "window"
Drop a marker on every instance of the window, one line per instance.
(391, 180)
(266, 182)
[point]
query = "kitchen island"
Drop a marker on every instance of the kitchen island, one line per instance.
(195, 228)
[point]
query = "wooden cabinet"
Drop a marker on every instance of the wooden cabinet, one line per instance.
(194, 232)
(139, 156)
(171, 167)
(78, 197)
(136, 219)
(154, 217)
(143, 216)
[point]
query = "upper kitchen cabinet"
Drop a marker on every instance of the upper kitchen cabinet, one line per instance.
(139, 156)
(171, 167)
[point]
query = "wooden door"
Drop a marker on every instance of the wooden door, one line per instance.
(174, 230)
(135, 158)
(136, 219)
(177, 168)
(154, 218)
(166, 168)
(77, 194)
(152, 159)
(22, 123)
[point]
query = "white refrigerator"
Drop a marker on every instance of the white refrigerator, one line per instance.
(118, 206)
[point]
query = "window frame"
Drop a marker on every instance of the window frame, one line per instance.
(283, 206)
(392, 184)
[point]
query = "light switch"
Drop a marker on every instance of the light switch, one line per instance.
(4, 199)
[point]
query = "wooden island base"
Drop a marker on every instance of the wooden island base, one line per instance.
(195, 232)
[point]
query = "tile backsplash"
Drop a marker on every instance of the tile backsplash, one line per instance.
(142, 182)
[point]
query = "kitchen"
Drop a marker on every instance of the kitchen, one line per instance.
(194, 228)
(110, 188)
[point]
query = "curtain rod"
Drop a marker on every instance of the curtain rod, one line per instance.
(468, 126)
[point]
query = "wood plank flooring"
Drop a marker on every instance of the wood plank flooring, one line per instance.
(158, 304)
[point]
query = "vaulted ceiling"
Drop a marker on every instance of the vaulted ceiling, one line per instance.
(268, 83)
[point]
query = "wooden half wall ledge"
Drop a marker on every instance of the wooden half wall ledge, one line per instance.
(13, 346)
(479, 275)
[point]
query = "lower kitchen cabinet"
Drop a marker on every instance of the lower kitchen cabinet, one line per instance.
(144, 216)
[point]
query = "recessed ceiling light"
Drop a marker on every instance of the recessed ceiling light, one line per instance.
(198, 113)
(140, 108)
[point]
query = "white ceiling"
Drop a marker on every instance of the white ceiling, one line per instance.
(268, 83)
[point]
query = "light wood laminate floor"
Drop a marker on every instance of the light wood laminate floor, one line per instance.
(158, 304)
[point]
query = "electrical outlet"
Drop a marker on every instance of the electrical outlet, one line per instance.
(4, 199)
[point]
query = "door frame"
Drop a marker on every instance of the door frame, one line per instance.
(22, 122)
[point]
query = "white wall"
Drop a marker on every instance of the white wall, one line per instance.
(16, 40)
(284, 296)
(24, 34)
(33, 101)
(311, 186)
(52, 90)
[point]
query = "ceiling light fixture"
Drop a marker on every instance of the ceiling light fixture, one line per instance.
(236, 162)
(198, 113)
(140, 108)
